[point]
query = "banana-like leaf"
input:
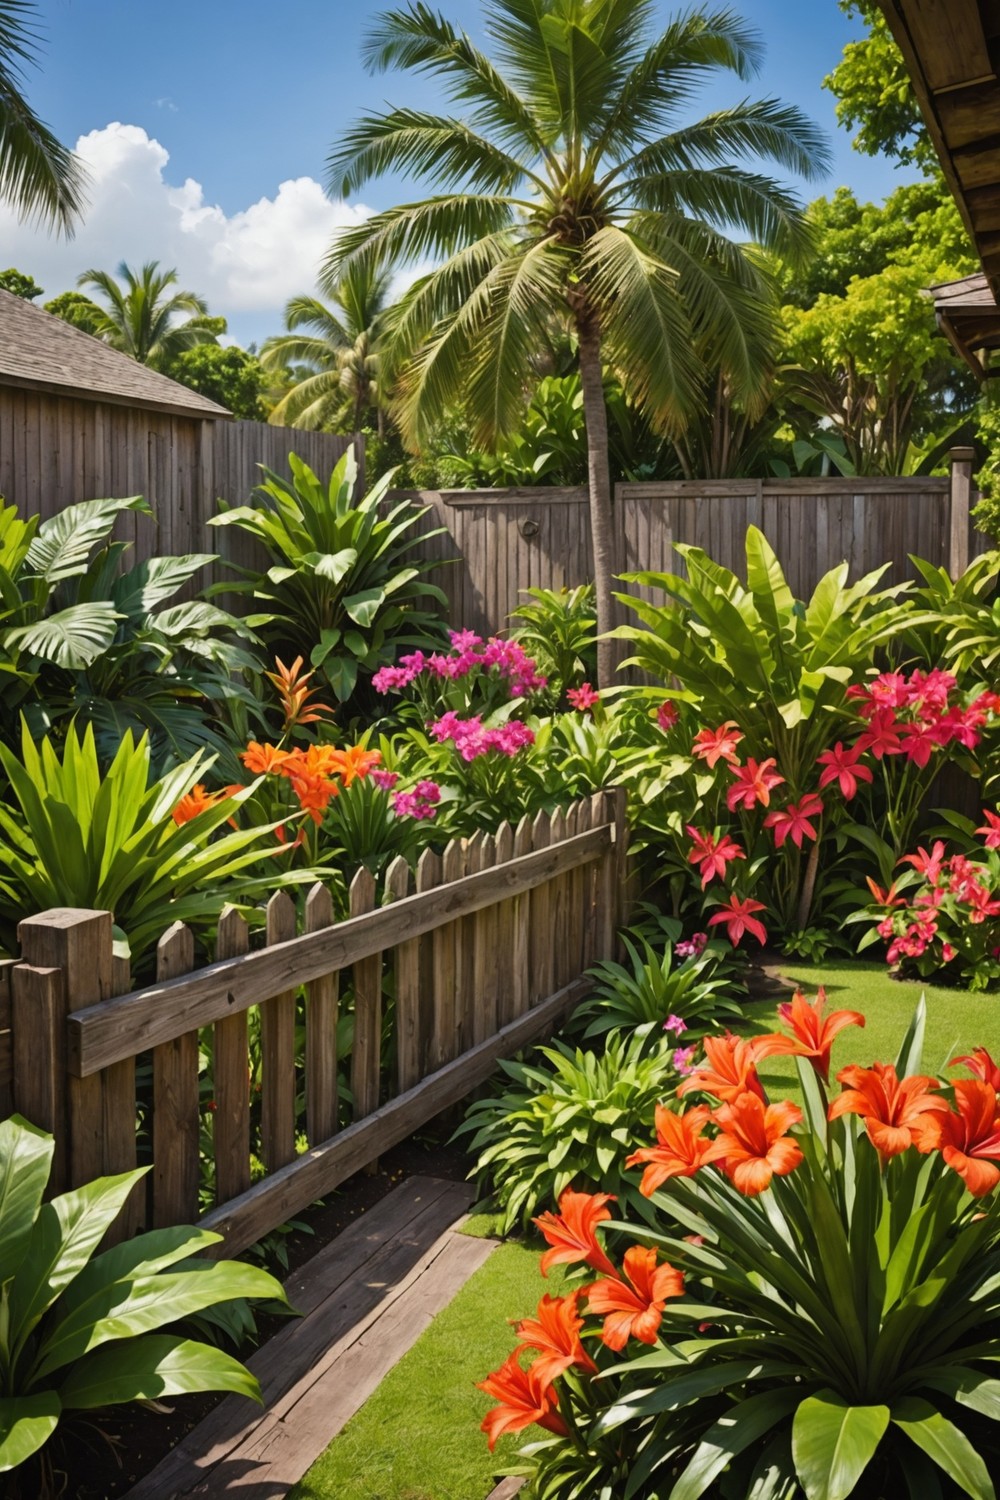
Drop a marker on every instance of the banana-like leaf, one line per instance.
(63, 544)
(26, 1424)
(946, 1444)
(73, 638)
(25, 1163)
(150, 1367)
(833, 1443)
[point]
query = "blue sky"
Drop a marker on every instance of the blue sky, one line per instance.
(225, 102)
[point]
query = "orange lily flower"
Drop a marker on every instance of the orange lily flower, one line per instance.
(314, 793)
(293, 694)
(981, 1064)
(814, 1033)
(526, 1397)
(730, 1067)
(969, 1141)
(555, 1333)
(635, 1311)
(894, 1111)
(682, 1148)
(572, 1232)
(754, 1144)
(262, 760)
(353, 762)
(194, 802)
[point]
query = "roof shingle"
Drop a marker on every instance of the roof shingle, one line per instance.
(43, 352)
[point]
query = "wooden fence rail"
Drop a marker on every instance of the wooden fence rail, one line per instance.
(483, 956)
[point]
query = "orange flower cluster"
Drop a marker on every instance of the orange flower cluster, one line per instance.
(198, 800)
(315, 774)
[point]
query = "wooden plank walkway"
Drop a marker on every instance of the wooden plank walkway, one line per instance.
(365, 1298)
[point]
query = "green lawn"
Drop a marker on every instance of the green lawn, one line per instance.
(418, 1437)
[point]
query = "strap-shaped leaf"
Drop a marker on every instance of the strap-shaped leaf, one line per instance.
(26, 1424)
(946, 1444)
(25, 1161)
(730, 1436)
(833, 1443)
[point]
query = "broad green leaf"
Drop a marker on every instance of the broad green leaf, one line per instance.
(833, 1443)
(912, 1050)
(946, 1444)
(26, 1424)
(732, 1434)
(62, 545)
(72, 638)
(334, 566)
(25, 1162)
(978, 1392)
(364, 606)
(147, 1368)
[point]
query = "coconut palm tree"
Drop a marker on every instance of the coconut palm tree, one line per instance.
(38, 176)
(140, 317)
(335, 352)
(572, 183)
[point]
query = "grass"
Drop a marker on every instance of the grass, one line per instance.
(418, 1436)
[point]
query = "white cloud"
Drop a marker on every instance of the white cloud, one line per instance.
(246, 263)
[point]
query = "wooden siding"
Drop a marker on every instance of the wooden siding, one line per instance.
(56, 450)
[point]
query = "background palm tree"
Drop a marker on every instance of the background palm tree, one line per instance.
(140, 317)
(38, 175)
(572, 185)
(333, 352)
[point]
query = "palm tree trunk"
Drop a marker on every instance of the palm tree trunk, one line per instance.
(599, 485)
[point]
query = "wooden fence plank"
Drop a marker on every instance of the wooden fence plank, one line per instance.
(277, 1049)
(407, 984)
(520, 958)
(294, 1187)
(176, 1115)
(231, 1075)
(428, 880)
(488, 957)
(447, 966)
(502, 994)
(105, 1034)
(321, 1030)
(366, 1056)
(467, 993)
(39, 1044)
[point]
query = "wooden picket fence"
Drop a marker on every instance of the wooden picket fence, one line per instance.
(483, 956)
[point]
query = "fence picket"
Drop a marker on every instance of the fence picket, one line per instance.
(428, 879)
(321, 1030)
(176, 1117)
(505, 918)
(407, 975)
(367, 1051)
(488, 956)
(542, 958)
(468, 997)
(447, 968)
(231, 1075)
(558, 906)
(277, 1047)
(520, 958)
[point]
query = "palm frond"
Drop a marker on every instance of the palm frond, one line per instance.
(727, 198)
(746, 132)
(39, 177)
(430, 230)
(445, 151)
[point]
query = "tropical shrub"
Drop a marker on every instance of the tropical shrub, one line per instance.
(566, 1116)
(151, 851)
(84, 637)
(80, 1331)
(815, 1312)
(343, 589)
(558, 628)
(679, 990)
(942, 915)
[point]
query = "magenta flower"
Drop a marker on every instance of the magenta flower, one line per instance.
(583, 697)
(386, 780)
(675, 1024)
(842, 766)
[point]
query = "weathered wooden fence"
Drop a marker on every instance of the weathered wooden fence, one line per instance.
(483, 956)
(56, 450)
(498, 542)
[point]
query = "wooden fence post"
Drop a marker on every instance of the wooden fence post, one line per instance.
(277, 1049)
(38, 1022)
(176, 1103)
(961, 491)
(367, 976)
(321, 1030)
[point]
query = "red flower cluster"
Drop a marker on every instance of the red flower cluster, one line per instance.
(917, 714)
(956, 894)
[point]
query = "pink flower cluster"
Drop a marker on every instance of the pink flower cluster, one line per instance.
(917, 714)
(469, 652)
(583, 697)
(385, 780)
(472, 739)
(692, 946)
(956, 891)
(421, 802)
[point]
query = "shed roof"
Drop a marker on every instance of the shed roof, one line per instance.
(952, 54)
(39, 351)
(968, 316)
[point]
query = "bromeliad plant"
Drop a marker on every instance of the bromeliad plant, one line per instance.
(80, 1331)
(816, 1313)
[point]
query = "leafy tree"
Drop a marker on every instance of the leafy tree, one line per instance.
(573, 189)
(333, 352)
(75, 308)
(875, 96)
(231, 376)
(39, 177)
(140, 318)
(21, 285)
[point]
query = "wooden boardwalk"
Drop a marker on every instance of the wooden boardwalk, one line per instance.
(364, 1300)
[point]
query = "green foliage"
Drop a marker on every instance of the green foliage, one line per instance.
(79, 1331)
(342, 589)
(75, 308)
(231, 376)
(83, 637)
(652, 987)
(751, 653)
(21, 285)
(875, 95)
(557, 628)
(566, 1118)
(138, 314)
(109, 842)
(836, 1337)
